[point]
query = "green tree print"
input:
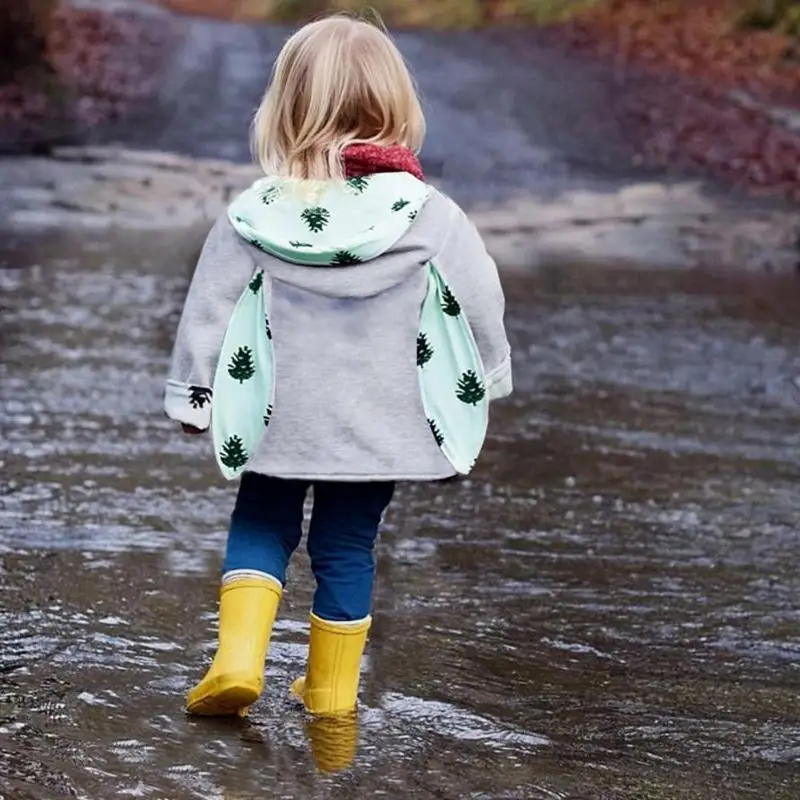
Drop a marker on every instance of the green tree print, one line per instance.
(412, 215)
(470, 390)
(233, 454)
(268, 327)
(242, 367)
(358, 185)
(344, 258)
(316, 218)
(424, 350)
(267, 416)
(437, 434)
(400, 204)
(258, 245)
(257, 282)
(271, 195)
(450, 305)
(199, 396)
(298, 245)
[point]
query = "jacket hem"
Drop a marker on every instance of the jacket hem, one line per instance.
(353, 478)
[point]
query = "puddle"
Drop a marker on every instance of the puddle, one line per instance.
(606, 609)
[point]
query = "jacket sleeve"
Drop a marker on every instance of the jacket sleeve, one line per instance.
(223, 270)
(472, 274)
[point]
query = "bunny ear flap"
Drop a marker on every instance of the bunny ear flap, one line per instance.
(451, 376)
(244, 382)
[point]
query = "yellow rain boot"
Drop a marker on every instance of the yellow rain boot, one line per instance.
(247, 609)
(330, 686)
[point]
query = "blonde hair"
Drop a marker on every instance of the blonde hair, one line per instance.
(337, 81)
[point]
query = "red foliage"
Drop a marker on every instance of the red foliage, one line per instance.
(679, 66)
(102, 62)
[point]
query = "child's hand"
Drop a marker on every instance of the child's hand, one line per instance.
(190, 429)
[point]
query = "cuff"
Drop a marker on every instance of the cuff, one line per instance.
(188, 404)
(499, 382)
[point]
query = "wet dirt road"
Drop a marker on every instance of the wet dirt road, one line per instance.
(505, 115)
(606, 610)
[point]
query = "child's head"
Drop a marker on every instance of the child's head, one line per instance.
(337, 81)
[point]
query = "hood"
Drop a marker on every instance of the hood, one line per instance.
(328, 223)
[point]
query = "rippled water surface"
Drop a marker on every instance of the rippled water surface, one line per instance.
(607, 609)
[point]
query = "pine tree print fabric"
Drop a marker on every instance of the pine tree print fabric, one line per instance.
(310, 224)
(451, 376)
(244, 382)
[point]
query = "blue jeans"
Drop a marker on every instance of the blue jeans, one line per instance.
(266, 527)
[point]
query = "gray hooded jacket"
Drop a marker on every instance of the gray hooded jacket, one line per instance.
(344, 327)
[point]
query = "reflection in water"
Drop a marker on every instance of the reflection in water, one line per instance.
(606, 608)
(333, 741)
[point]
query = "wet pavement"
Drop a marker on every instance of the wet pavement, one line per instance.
(606, 610)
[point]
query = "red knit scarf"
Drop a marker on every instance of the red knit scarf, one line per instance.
(367, 159)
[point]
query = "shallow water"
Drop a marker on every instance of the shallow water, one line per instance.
(606, 610)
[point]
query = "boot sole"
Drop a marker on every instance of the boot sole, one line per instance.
(223, 698)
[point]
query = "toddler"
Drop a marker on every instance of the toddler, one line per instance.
(343, 331)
